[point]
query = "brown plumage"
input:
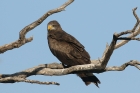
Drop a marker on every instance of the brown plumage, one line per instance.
(69, 50)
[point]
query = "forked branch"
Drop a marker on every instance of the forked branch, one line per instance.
(109, 49)
(122, 67)
(22, 39)
(134, 32)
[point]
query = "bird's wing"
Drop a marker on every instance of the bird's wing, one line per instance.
(78, 51)
(63, 36)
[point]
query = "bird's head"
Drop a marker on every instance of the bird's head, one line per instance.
(53, 25)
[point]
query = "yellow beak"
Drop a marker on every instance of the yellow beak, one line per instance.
(50, 27)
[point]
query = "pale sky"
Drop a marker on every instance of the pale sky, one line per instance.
(92, 22)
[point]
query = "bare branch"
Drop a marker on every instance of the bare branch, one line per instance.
(121, 68)
(15, 44)
(17, 79)
(126, 38)
(41, 19)
(57, 70)
(22, 40)
(45, 69)
(108, 52)
(133, 32)
(123, 42)
(109, 49)
(137, 18)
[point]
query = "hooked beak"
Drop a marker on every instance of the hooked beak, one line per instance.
(50, 27)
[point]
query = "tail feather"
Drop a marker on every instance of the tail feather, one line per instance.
(89, 78)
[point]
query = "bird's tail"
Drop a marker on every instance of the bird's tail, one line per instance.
(89, 78)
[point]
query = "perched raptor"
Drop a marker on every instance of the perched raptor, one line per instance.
(69, 50)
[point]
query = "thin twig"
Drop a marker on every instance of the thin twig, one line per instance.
(17, 79)
(122, 67)
(126, 38)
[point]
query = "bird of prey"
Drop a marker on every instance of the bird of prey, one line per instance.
(69, 50)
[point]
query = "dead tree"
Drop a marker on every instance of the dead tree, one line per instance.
(97, 66)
